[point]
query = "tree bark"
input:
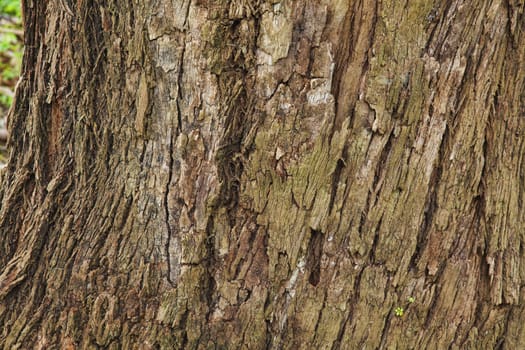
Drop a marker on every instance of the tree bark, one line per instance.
(256, 174)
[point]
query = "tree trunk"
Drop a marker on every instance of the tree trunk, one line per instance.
(252, 174)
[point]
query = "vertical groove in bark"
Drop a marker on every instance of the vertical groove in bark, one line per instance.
(171, 243)
(260, 174)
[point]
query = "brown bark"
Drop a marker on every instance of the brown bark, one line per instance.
(258, 174)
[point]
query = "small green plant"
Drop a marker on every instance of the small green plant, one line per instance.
(399, 311)
(411, 300)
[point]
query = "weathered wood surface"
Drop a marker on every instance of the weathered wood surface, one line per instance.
(259, 174)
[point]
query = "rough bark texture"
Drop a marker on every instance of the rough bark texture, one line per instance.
(249, 174)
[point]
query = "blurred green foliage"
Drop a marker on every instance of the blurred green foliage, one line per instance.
(11, 48)
(11, 8)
